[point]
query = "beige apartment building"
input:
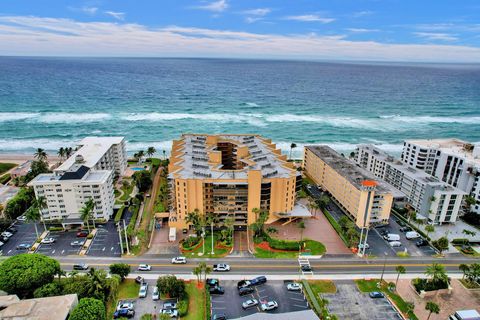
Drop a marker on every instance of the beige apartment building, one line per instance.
(230, 176)
(354, 189)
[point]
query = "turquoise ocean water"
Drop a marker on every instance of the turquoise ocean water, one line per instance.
(53, 102)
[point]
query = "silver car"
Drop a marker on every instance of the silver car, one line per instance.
(143, 290)
(249, 303)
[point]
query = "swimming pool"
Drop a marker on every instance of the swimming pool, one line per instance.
(137, 168)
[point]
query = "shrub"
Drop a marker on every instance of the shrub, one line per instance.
(90, 236)
(119, 214)
(460, 241)
(182, 307)
(427, 285)
(48, 290)
(283, 244)
(172, 286)
(5, 178)
(88, 309)
(55, 229)
(121, 269)
(190, 242)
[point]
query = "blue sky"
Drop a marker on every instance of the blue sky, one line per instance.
(400, 30)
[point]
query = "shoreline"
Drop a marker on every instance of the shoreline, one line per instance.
(19, 158)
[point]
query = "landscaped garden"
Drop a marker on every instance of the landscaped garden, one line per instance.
(198, 247)
(283, 249)
(4, 167)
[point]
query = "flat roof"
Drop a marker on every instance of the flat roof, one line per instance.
(303, 315)
(195, 161)
(92, 150)
(347, 168)
(92, 176)
(451, 146)
(49, 308)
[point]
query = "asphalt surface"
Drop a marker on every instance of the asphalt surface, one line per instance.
(106, 241)
(25, 235)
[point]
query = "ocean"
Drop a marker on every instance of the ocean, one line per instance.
(54, 102)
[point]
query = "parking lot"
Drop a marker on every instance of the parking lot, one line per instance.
(106, 242)
(230, 303)
(349, 303)
(62, 245)
(25, 235)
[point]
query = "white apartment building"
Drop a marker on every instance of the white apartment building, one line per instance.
(87, 174)
(453, 161)
(427, 195)
(100, 153)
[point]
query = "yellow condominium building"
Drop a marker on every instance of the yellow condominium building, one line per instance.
(229, 176)
(353, 188)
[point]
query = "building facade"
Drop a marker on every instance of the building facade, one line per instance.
(229, 176)
(453, 161)
(88, 174)
(431, 198)
(349, 185)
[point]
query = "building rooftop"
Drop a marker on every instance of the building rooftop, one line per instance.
(347, 168)
(460, 148)
(304, 315)
(195, 161)
(91, 150)
(50, 308)
(95, 176)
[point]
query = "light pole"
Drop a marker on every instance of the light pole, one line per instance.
(369, 186)
(120, 236)
(203, 241)
(211, 234)
(126, 239)
(383, 270)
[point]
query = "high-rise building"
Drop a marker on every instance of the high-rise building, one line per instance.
(230, 176)
(453, 161)
(431, 198)
(349, 185)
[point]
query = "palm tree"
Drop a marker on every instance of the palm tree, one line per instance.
(429, 228)
(86, 212)
(301, 226)
(68, 152)
(40, 154)
(292, 146)
(40, 204)
(211, 219)
(91, 207)
(61, 153)
(206, 271)
(197, 271)
(400, 270)
(33, 215)
(464, 268)
(164, 154)
(437, 273)
(151, 151)
(432, 307)
(140, 154)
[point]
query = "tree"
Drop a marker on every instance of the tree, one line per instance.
(49, 290)
(464, 268)
(68, 152)
(429, 228)
(323, 202)
(40, 154)
(432, 307)
(441, 244)
(16, 206)
(164, 154)
(33, 215)
(24, 273)
(86, 212)
(193, 218)
(301, 226)
(121, 269)
(197, 271)
(140, 154)
(272, 230)
(40, 203)
(151, 151)
(37, 167)
(437, 273)
(467, 233)
(400, 270)
(61, 153)
(88, 309)
(143, 180)
(292, 146)
(172, 286)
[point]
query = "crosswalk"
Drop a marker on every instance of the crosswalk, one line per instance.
(304, 265)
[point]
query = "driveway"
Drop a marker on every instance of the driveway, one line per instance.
(25, 234)
(107, 242)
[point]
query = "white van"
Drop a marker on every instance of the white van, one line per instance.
(412, 235)
(395, 244)
(392, 237)
(172, 235)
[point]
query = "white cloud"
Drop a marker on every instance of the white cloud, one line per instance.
(258, 12)
(362, 13)
(117, 15)
(432, 36)
(215, 6)
(310, 18)
(85, 9)
(27, 35)
(361, 30)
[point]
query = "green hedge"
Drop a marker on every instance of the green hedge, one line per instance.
(460, 241)
(336, 226)
(427, 285)
(183, 307)
(283, 244)
(55, 229)
(5, 178)
(119, 214)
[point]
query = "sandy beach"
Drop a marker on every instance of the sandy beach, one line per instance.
(21, 158)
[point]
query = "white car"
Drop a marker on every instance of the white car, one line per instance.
(249, 303)
(144, 267)
(173, 313)
(270, 305)
(395, 244)
(179, 260)
(7, 234)
(125, 305)
(412, 235)
(48, 241)
(1, 243)
(360, 246)
(21, 218)
(155, 294)
(142, 293)
(221, 267)
(294, 286)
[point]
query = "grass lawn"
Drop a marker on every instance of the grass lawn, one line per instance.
(196, 303)
(218, 252)
(4, 166)
(322, 286)
(126, 191)
(313, 247)
(371, 285)
(128, 289)
(159, 207)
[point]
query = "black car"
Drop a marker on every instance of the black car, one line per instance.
(139, 280)
(80, 266)
(213, 282)
(216, 290)
(221, 316)
(406, 229)
(243, 284)
(124, 313)
(258, 280)
(384, 232)
(421, 243)
(400, 222)
(245, 290)
(306, 267)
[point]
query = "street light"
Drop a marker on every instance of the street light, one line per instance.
(383, 270)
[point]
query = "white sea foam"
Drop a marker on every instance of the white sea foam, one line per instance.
(23, 144)
(17, 116)
(253, 119)
(65, 117)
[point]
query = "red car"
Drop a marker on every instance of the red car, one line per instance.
(82, 234)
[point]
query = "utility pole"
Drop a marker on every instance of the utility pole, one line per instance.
(120, 236)
(383, 270)
(203, 240)
(211, 226)
(126, 238)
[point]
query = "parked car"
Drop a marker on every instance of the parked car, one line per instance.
(270, 305)
(170, 305)
(221, 267)
(245, 290)
(139, 279)
(212, 282)
(4, 239)
(400, 222)
(144, 267)
(384, 232)
(406, 229)
(125, 305)
(258, 280)
(219, 316)
(395, 244)
(360, 246)
(391, 237)
(173, 313)
(48, 241)
(124, 313)
(306, 268)
(421, 243)
(82, 234)
(80, 266)
(216, 290)
(179, 260)
(243, 284)
(155, 294)
(23, 246)
(6, 234)
(11, 229)
(77, 243)
(375, 295)
(1, 243)
(22, 218)
(142, 293)
(293, 286)
(412, 235)
(249, 303)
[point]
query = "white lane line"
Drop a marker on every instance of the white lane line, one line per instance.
(111, 249)
(296, 299)
(103, 249)
(296, 305)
